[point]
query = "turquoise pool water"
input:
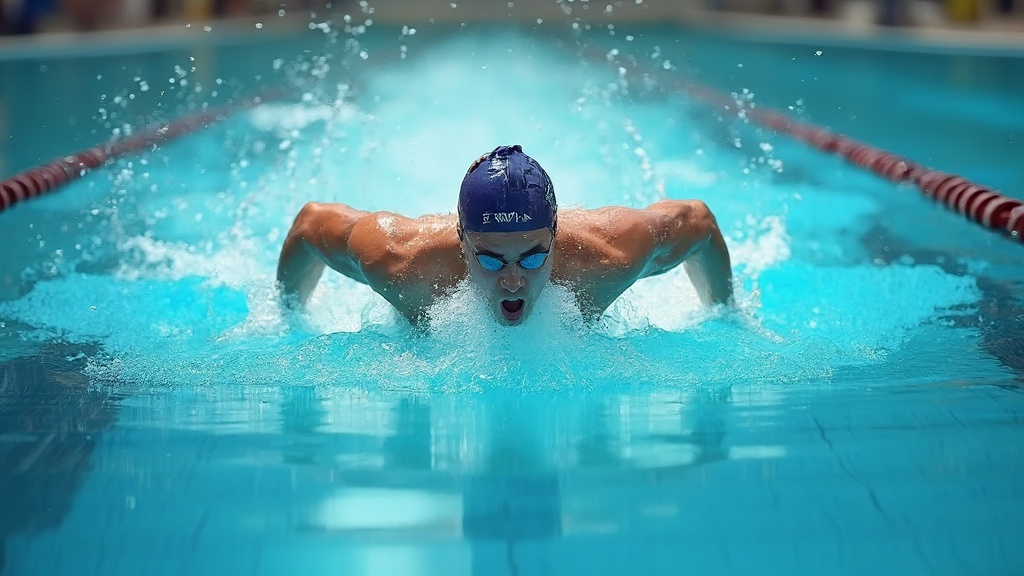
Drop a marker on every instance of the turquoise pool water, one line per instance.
(859, 411)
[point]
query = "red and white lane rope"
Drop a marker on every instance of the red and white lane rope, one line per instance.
(978, 203)
(49, 177)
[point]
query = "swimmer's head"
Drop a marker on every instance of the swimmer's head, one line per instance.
(507, 191)
(507, 222)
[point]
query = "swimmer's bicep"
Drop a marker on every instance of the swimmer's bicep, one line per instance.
(333, 233)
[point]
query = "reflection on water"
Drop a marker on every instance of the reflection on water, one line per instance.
(487, 470)
(292, 479)
(49, 428)
(484, 470)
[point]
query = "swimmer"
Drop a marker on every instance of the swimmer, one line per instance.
(509, 240)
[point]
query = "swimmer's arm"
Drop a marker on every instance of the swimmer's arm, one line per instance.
(687, 233)
(319, 237)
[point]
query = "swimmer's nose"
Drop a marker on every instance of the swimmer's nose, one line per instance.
(512, 280)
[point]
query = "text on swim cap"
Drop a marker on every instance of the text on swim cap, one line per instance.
(505, 217)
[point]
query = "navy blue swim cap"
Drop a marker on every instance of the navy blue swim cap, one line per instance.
(506, 191)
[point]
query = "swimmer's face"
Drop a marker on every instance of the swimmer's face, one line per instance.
(510, 269)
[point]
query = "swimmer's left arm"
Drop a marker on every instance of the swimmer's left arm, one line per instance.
(686, 232)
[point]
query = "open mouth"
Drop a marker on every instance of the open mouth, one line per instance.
(512, 309)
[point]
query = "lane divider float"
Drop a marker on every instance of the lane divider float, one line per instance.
(977, 203)
(53, 175)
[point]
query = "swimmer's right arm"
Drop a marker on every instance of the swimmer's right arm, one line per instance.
(319, 237)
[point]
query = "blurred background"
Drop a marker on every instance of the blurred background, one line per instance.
(20, 17)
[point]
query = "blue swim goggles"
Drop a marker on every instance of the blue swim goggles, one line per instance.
(531, 262)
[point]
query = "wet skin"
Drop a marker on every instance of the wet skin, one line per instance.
(597, 254)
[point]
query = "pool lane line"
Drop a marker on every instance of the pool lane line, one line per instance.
(53, 175)
(977, 203)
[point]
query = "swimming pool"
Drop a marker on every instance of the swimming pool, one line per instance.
(859, 412)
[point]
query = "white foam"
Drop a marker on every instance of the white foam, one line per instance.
(284, 119)
(686, 172)
(767, 245)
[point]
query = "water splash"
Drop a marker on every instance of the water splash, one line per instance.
(185, 301)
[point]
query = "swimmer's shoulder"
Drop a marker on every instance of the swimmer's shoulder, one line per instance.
(615, 237)
(409, 261)
(602, 253)
(397, 248)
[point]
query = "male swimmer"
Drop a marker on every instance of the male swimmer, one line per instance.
(510, 241)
